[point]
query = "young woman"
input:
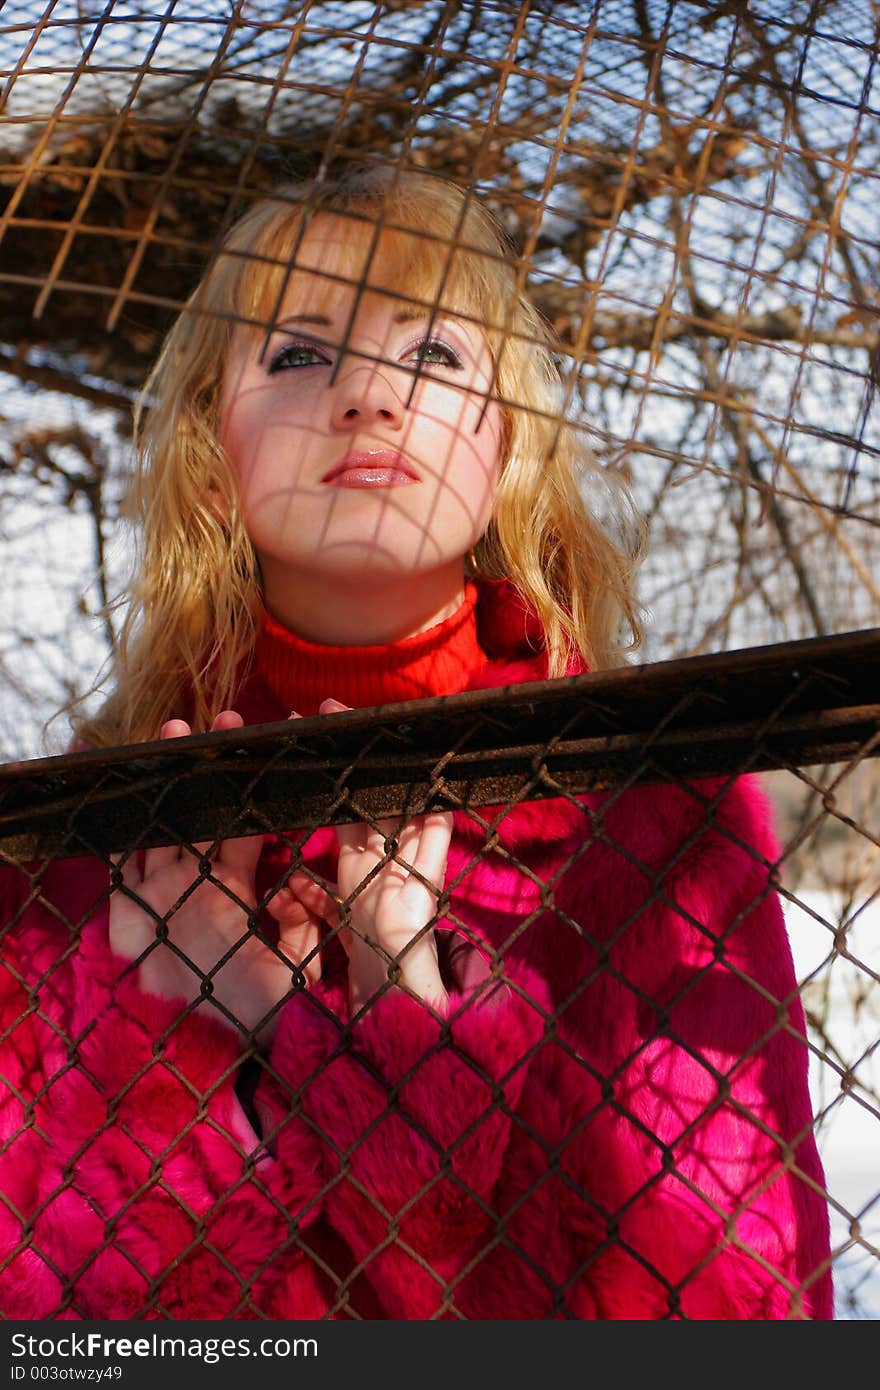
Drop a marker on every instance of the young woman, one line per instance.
(543, 1061)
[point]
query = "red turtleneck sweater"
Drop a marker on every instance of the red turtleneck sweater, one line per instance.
(290, 673)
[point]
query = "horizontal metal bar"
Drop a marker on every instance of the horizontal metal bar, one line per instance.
(791, 704)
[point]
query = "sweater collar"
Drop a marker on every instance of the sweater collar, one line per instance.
(299, 674)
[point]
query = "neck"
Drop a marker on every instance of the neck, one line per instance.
(369, 612)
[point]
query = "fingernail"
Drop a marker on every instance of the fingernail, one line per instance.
(227, 719)
(175, 728)
(332, 707)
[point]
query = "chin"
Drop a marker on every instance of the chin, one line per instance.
(359, 562)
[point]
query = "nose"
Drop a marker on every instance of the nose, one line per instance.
(365, 395)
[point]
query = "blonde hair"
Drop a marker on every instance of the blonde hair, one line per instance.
(194, 605)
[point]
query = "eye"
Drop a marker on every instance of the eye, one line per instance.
(433, 352)
(293, 355)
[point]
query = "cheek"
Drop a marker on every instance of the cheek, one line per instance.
(487, 440)
(244, 441)
(262, 442)
(489, 474)
(233, 434)
(474, 479)
(471, 427)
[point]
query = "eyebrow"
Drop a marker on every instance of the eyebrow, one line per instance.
(322, 321)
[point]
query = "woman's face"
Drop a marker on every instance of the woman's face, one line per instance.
(363, 436)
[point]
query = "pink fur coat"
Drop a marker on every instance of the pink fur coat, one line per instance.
(619, 1128)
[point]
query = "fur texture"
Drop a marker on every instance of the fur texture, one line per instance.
(614, 1124)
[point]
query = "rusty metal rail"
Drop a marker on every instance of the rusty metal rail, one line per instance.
(791, 704)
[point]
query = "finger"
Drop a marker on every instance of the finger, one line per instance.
(202, 849)
(419, 864)
(241, 853)
(397, 845)
(157, 860)
(351, 837)
(332, 707)
(389, 835)
(227, 719)
(294, 715)
(301, 945)
(175, 728)
(407, 839)
(364, 848)
(432, 851)
(302, 897)
(372, 835)
(354, 865)
(299, 923)
(129, 869)
(319, 901)
(361, 852)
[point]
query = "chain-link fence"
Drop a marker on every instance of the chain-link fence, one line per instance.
(608, 752)
(690, 194)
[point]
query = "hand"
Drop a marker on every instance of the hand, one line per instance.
(206, 922)
(390, 915)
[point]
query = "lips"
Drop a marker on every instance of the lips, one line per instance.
(371, 468)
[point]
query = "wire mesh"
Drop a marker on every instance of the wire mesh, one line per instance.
(690, 191)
